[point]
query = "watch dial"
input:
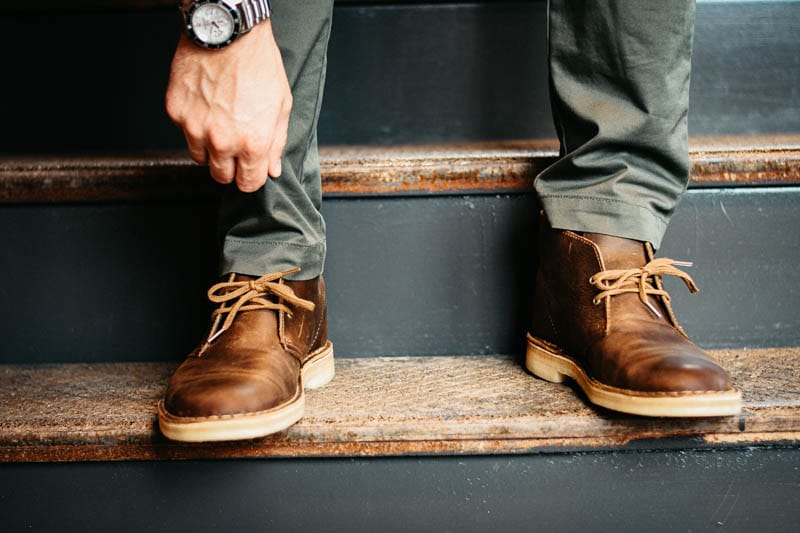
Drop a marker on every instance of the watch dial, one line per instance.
(212, 24)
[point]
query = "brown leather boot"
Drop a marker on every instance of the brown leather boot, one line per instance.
(268, 341)
(603, 318)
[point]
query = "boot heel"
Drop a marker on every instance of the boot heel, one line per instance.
(543, 365)
(320, 369)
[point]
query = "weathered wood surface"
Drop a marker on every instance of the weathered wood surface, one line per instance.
(382, 406)
(496, 167)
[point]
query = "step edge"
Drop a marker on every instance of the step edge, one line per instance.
(431, 169)
(66, 453)
(763, 421)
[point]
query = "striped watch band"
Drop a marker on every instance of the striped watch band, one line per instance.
(253, 12)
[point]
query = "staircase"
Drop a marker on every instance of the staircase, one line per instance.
(431, 423)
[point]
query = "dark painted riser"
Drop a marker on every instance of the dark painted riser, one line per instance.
(437, 275)
(470, 71)
(728, 490)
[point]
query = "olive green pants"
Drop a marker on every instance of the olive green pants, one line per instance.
(619, 79)
(280, 227)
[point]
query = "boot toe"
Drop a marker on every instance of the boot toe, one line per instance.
(658, 360)
(687, 374)
(225, 396)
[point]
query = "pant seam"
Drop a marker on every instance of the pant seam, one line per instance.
(317, 104)
(607, 200)
(272, 243)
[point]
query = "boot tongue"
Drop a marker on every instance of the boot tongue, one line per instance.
(619, 253)
(624, 254)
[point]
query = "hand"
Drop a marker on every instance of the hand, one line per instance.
(233, 105)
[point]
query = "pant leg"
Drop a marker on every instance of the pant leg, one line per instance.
(280, 226)
(619, 81)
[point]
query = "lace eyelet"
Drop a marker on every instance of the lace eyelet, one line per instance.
(592, 280)
(595, 301)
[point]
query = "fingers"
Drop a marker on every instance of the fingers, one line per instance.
(276, 152)
(222, 168)
(247, 159)
(279, 141)
(247, 163)
(251, 174)
(252, 163)
(197, 149)
(262, 158)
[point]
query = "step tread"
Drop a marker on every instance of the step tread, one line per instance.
(490, 167)
(381, 406)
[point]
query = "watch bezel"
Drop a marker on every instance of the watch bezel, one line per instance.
(234, 13)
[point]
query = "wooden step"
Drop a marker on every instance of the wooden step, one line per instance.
(383, 407)
(428, 169)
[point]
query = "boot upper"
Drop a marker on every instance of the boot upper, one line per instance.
(600, 299)
(253, 363)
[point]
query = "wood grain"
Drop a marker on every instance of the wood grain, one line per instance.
(381, 406)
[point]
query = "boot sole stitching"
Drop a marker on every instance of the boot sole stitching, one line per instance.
(555, 351)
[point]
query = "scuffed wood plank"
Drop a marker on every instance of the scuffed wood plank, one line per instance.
(380, 406)
(481, 168)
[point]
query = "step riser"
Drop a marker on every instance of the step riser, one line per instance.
(462, 84)
(438, 275)
(742, 490)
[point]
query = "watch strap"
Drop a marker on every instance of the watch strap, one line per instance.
(253, 12)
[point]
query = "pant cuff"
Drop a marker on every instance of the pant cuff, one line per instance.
(609, 217)
(257, 258)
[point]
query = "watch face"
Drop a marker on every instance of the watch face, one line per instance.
(213, 24)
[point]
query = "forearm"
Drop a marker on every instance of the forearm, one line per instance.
(233, 105)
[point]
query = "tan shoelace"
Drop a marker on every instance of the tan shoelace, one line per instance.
(250, 295)
(638, 280)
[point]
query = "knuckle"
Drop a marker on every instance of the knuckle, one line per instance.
(250, 184)
(220, 172)
(221, 177)
(198, 156)
(193, 132)
(254, 147)
(173, 109)
(220, 142)
(277, 147)
(253, 169)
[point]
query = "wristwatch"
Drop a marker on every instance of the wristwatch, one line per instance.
(217, 23)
